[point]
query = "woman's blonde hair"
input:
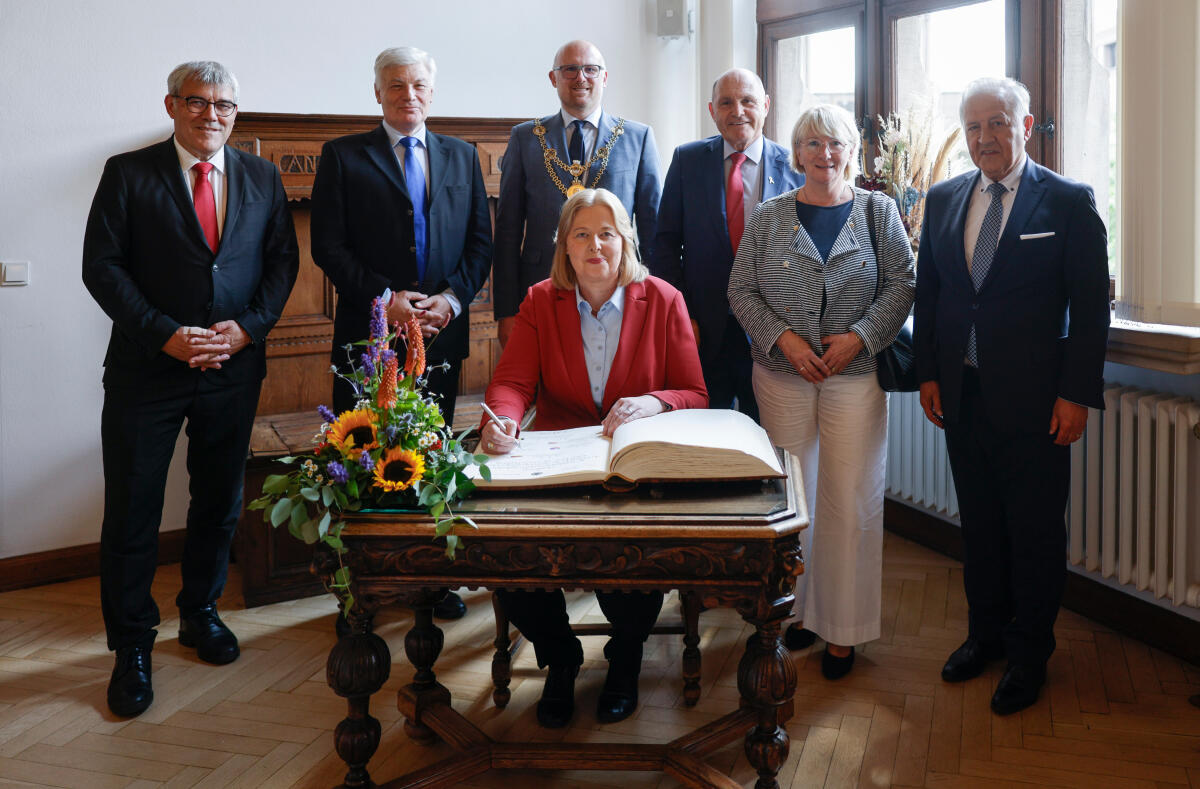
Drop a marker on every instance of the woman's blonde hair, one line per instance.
(827, 120)
(630, 268)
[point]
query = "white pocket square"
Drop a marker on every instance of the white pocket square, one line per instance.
(1031, 236)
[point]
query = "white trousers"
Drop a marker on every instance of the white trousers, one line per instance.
(838, 430)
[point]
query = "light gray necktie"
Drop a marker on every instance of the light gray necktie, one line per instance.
(985, 250)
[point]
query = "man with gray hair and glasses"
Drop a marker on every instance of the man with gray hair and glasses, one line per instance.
(190, 250)
(404, 209)
(549, 159)
(1011, 326)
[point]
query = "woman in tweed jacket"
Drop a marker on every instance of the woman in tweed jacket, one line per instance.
(803, 288)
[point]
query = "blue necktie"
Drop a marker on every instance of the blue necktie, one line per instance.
(575, 147)
(985, 250)
(414, 179)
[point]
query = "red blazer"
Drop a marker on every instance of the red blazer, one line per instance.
(544, 357)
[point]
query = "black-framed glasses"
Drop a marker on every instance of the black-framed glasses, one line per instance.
(590, 70)
(198, 104)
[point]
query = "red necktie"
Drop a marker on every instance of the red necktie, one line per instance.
(206, 204)
(735, 215)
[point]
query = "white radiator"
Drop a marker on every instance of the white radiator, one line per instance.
(1134, 511)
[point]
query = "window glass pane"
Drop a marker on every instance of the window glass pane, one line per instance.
(812, 69)
(935, 56)
(1089, 105)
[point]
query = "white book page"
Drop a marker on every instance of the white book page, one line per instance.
(551, 453)
(699, 427)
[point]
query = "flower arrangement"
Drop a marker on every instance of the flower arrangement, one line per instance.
(910, 161)
(393, 449)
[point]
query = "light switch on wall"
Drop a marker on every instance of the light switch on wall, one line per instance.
(14, 272)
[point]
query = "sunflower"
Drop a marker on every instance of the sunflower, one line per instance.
(354, 431)
(398, 469)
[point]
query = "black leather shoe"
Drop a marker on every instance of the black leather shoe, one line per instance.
(970, 659)
(451, 607)
(833, 667)
(796, 637)
(557, 705)
(1018, 688)
(129, 691)
(205, 631)
(619, 698)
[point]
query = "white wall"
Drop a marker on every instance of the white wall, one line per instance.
(80, 81)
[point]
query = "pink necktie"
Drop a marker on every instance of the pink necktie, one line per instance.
(206, 204)
(735, 215)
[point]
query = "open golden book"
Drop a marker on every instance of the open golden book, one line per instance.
(690, 444)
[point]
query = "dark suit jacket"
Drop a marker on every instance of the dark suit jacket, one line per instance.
(1041, 315)
(530, 203)
(146, 263)
(692, 249)
(544, 359)
(362, 231)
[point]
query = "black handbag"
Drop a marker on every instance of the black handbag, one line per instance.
(895, 367)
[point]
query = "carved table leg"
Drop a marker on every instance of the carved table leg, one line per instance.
(422, 644)
(502, 660)
(767, 681)
(690, 603)
(358, 665)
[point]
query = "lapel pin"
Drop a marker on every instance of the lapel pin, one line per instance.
(770, 179)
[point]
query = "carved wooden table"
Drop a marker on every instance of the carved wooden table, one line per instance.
(735, 544)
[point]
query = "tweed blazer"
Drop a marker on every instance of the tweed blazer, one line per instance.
(779, 281)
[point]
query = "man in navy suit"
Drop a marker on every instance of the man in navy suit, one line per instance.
(403, 208)
(1011, 325)
(712, 187)
(190, 250)
(536, 175)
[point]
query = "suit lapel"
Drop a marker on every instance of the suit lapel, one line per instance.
(556, 137)
(713, 175)
(633, 318)
(437, 164)
(962, 201)
(379, 151)
(774, 164)
(176, 183)
(607, 124)
(570, 338)
(1029, 194)
(235, 192)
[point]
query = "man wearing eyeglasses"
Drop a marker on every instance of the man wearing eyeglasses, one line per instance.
(190, 250)
(550, 158)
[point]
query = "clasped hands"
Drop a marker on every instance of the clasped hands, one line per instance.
(206, 348)
(840, 350)
(432, 312)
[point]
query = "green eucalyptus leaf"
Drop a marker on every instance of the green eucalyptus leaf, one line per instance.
(341, 577)
(323, 525)
(312, 494)
(451, 488)
(276, 483)
(309, 532)
(485, 473)
(299, 512)
(327, 496)
(281, 511)
(437, 509)
(467, 520)
(452, 543)
(335, 542)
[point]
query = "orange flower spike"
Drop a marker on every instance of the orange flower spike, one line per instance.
(414, 362)
(386, 395)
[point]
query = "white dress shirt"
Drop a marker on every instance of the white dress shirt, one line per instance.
(980, 200)
(601, 334)
(591, 130)
(422, 153)
(216, 177)
(751, 176)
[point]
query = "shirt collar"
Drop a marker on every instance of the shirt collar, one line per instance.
(187, 161)
(395, 136)
(568, 118)
(617, 300)
(1010, 181)
(753, 151)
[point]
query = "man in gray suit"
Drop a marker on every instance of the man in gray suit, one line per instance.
(578, 147)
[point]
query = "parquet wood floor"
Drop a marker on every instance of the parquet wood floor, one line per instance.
(1114, 713)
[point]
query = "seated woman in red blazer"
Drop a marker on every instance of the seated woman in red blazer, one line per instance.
(600, 342)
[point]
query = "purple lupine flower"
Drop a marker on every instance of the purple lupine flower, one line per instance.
(364, 460)
(337, 472)
(368, 365)
(326, 414)
(379, 327)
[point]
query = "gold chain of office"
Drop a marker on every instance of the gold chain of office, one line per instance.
(576, 169)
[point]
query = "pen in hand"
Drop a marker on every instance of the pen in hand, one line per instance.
(491, 415)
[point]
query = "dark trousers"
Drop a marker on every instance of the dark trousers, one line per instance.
(727, 373)
(542, 618)
(1012, 495)
(442, 383)
(138, 430)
